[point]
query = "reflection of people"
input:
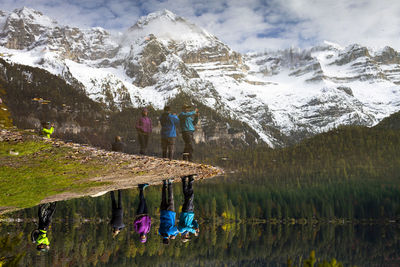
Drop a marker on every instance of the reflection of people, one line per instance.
(143, 127)
(187, 126)
(118, 145)
(187, 224)
(142, 221)
(168, 132)
(167, 228)
(39, 236)
(117, 214)
(47, 129)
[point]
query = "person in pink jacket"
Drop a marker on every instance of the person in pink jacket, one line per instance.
(144, 128)
(142, 223)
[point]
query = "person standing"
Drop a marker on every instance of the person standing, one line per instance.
(187, 123)
(39, 236)
(142, 223)
(187, 224)
(168, 132)
(117, 214)
(144, 128)
(167, 229)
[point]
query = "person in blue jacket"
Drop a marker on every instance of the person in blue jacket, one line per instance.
(168, 229)
(188, 119)
(168, 132)
(187, 223)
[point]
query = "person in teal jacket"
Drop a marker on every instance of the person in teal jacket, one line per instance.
(187, 223)
(168, 132)
(47, 129)
(167, 229)
(188, 119)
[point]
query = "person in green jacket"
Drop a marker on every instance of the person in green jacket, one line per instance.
(39, 236)
(47, 129)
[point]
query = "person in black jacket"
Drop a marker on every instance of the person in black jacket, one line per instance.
(117, 214)
(118, 145)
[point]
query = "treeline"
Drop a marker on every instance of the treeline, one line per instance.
(343, 154)
(92, 244)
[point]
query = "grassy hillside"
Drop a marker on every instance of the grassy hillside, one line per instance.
(34, 169)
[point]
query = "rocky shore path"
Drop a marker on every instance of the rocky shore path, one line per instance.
(108, 170)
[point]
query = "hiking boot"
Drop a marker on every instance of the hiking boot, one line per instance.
(143, 186)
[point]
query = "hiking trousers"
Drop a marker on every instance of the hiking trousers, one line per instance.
(142, 208)
(168, 147)
(45, 214)
(167, 204)
(143, 142)
(188, 140)
(187, 186)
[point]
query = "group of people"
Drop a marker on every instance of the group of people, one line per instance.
(168, 229)
(169, 121)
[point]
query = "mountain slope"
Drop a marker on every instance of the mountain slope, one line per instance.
(283, 96)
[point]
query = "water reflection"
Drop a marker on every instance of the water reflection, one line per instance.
(187, 223)
(168, 229)
(117, 213)
(142, 222)
(80, 234)
(39, 236)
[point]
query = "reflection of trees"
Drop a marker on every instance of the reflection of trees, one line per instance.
(10, 254)
(218, 244)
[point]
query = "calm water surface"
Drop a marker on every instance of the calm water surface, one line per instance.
(80, 235)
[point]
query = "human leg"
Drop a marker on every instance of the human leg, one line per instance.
(45, 213)
(146, 138)
(171, 204)
(171, 147)
(188, 195)
(141, 142)
(164, 146)
(164, 204)
(142, 208)
(188, 140)
(113, 202)
(119, 199)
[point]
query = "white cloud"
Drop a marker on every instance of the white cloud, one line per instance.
(244, 25)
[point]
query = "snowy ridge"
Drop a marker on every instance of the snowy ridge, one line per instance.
(293, 92)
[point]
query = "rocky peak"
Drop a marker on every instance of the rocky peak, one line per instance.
(352, 53)
(388, 56)
(23, 27)
(159, 15)
(168, 27)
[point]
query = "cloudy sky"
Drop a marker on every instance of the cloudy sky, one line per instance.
(250, 25)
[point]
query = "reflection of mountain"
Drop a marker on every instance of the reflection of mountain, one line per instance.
(294, 92)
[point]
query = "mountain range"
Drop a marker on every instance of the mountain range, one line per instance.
(282, 96)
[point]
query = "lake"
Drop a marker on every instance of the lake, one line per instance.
(234, 231)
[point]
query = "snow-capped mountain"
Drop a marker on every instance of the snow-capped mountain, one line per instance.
(291, 92)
